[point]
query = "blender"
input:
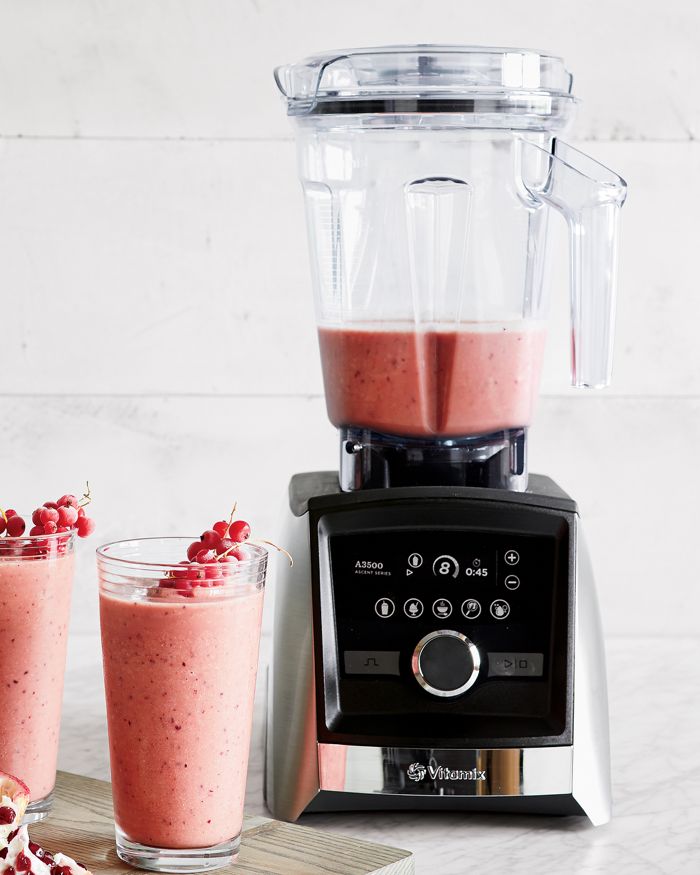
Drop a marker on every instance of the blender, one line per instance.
(437, 643)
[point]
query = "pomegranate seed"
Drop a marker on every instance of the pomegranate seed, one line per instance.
(23, 863)
(3, 853)
(12, 835)
(239, 531)
(15, 526)
(193, 549)
(7, 815)
(10, 870)
(85, 526)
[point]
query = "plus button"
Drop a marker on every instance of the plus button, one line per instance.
(512, 557)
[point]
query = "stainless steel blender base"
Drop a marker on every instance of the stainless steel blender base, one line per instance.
(302, 774)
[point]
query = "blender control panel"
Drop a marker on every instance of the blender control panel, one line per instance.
(455, 631)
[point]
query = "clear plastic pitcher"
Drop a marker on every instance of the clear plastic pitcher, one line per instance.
(427, 173)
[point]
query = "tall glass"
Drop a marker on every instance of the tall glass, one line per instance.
(36, 579)
(180, 668)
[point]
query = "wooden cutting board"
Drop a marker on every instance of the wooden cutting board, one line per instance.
(82, 826)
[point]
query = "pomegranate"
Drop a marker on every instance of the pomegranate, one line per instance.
(24, 856)
(19, 855)
(14, 796)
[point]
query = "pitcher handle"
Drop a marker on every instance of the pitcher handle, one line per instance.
(589, 196)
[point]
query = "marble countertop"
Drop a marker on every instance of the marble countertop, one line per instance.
(655, 728)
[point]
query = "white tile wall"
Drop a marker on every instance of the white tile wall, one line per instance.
(156, 328)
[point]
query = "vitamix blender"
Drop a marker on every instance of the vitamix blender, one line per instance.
(437, 643)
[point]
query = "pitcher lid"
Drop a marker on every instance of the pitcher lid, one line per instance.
(428, 78)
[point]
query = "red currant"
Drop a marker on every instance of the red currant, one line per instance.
(226, 544)
(48, 515)
(211, 539)
(212, 571)
(68, 501)
(15, 525)
(3, 524)
(67, 515)
(85, 526)
(221, 528)
(10, 513)
(239, 531)
(205, 556)
(193, 549)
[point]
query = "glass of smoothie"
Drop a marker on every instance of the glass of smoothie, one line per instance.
(180, 652)
(36, 579)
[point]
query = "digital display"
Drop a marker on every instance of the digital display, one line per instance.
(388, 556)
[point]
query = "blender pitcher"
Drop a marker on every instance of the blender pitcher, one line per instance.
(427, 172)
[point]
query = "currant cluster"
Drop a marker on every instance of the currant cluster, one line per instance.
(52, 518)
(211, 558)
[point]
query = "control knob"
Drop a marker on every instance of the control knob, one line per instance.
(446, 663)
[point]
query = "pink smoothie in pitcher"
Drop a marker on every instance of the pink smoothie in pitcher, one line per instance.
(179, 683)
(429, 383)
(35, 598)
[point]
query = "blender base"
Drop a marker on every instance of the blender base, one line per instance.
(351, 722)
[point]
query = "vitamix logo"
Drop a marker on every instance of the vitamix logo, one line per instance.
(416, 772)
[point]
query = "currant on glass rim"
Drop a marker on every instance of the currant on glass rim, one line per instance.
(213, 557)
(51, 518)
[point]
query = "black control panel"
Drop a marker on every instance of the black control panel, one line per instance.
(444, 620)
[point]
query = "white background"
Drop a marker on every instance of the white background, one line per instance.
(156, 334)
(156, 328)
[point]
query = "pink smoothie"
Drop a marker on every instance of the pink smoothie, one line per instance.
(431, 383)
(180, 682)
(34, 611)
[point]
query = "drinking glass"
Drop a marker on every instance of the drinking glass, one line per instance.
(36, 579)
(180, 664)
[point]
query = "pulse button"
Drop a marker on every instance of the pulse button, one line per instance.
(446, 663)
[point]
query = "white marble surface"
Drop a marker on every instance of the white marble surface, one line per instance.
(655, 723)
